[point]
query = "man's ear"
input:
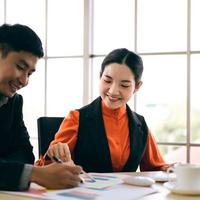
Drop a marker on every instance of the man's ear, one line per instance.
(138, 85)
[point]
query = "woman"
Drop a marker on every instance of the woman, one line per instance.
(106, 136)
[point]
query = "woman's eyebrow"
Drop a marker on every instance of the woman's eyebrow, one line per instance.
(126, 81)
(123, 81)
(107, 76)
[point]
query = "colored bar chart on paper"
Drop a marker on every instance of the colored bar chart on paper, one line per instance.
(102, 181)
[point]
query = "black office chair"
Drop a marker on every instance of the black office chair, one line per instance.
(47, 127)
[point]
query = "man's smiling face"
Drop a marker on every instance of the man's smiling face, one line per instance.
(15, 70)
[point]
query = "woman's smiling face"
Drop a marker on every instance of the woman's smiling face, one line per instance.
(117, 85)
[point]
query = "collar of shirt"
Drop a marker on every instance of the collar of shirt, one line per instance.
(114, 113)
(3, 100)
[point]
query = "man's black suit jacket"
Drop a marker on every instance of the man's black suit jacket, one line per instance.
(15, 147)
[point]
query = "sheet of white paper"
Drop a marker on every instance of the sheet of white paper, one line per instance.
(118, 192)
(35, 191)
(126, 192)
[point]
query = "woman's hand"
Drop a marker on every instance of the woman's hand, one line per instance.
(167, 166)
(61, 151)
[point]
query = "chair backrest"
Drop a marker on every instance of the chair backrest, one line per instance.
(47, 127)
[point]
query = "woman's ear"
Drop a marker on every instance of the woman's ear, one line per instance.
(137, 86)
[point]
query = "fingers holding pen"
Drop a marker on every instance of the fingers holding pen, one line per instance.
(57, 175)
(72, 177)
(60, 150)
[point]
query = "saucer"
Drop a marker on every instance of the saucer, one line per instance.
(172, 186)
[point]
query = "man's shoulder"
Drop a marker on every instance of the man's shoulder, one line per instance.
(16, 98)
(14, 102)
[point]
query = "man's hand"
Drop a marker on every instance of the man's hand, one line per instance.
(56, 176)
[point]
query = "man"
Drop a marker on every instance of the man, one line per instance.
(20, 49)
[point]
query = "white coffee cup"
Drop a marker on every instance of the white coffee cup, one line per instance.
(187, 176)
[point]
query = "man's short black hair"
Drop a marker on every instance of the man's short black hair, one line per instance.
(19, 37)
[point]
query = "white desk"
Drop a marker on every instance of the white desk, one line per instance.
(162, 194)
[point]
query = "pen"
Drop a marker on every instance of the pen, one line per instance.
(88, 176)
(58, 160)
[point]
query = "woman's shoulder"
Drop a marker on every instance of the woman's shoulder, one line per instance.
(73, 114)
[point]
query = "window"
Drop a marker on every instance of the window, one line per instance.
(195, 30)
(64, 85)
(113, 25)
(162, 25)
(22, 11)
(1, 11)
(65, 28)
(195, 99)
